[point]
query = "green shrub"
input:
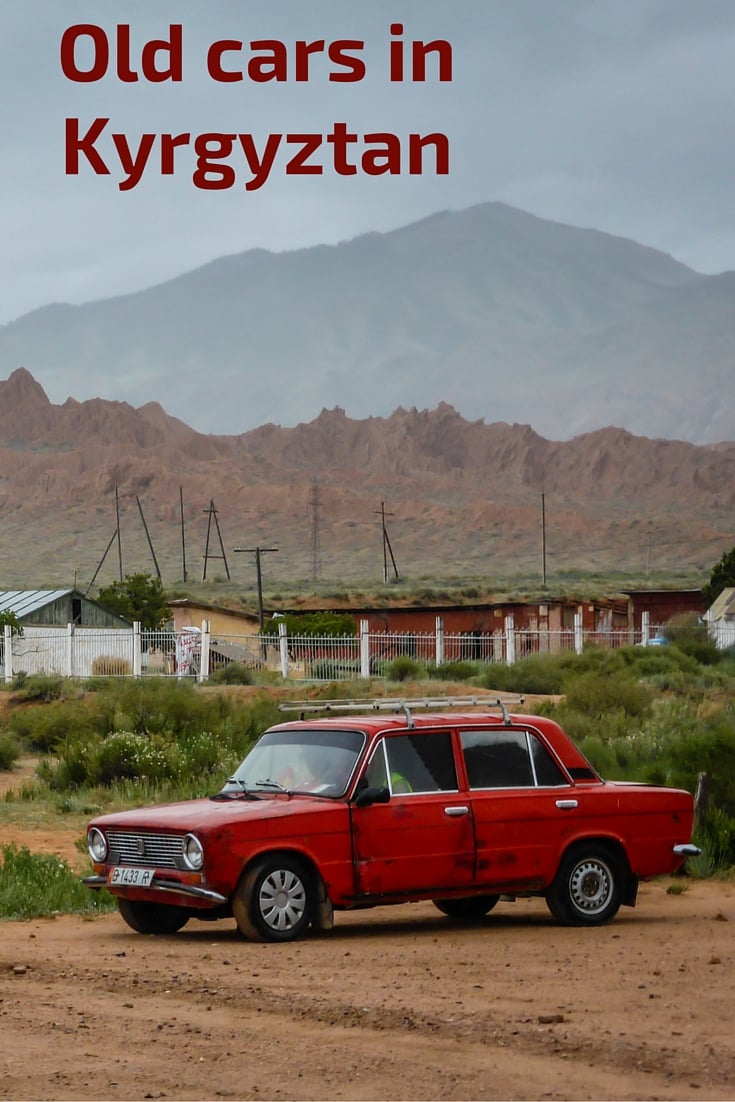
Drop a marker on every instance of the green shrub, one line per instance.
(234, 673)
(454, 671)
(43, 726)
(42, 687)
(38, 885)
(597, 694)
(125, 754)
(540, 673)
(9, 750)
(404, 668)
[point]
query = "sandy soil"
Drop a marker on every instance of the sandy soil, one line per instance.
(395, 1003)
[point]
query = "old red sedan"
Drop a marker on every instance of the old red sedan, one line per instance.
(361, 808)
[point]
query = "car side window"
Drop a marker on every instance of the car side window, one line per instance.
(376, 773)
(508, 759)
(421, 762)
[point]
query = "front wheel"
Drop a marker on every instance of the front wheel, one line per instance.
(474, 906)
(587, 889)
(275, 900)
(153, 918)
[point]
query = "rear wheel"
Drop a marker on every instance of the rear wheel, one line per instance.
(475, 906)
(153, 918)
(588, 888)
(275, 900)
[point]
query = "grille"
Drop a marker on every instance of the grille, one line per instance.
(137, 848)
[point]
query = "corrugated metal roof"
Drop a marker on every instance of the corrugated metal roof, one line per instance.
(25, 601)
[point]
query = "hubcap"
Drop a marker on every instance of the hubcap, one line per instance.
(282, 900)
(590, 886)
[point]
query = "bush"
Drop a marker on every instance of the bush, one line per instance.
(454, 671)
(38, 885)
(9, 750)
(541, 673)
(234, 673)
(42, 687)
(404, 668)
(106, 665)
(691, 637)
(43, 727)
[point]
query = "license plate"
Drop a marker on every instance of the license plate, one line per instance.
(131, 877)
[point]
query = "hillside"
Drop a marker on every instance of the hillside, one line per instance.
(463, 497)
(504, 315)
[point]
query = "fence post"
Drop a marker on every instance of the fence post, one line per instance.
(645, 627)
(204, 652)
(578, 633)
(69, 651)
(364, 649)
(8, 637)
(283, 647)
(510, 640)
(439, 641)
(137, 650)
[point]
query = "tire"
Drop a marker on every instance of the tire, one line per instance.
(153, 918)
(588, 888)
(474, 906)
(275, 900)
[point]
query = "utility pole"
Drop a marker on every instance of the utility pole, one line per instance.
(543, 540)
(387, 549)
(258, 551)
(148, 537)
(183, 537)
(213, 515)
(119, 544)
(315, 505)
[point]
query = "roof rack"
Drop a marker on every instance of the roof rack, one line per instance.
(397, 704)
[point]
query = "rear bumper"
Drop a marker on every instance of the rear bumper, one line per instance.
(164, 887)
(687, 849)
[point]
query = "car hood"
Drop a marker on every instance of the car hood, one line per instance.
(207, 814)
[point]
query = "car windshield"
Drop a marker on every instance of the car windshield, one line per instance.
(309, 760)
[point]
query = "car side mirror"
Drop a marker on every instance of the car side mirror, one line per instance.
(373, 794)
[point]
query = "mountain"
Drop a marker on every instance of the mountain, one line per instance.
(504, 315)
(462, 497)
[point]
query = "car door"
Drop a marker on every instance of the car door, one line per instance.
(421, 842)
(521, 803)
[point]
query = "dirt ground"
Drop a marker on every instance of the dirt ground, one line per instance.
(394, 1003)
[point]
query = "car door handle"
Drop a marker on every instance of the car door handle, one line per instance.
(566, 805)
(455, 811)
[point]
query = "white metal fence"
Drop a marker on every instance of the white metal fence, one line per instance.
(197, 652)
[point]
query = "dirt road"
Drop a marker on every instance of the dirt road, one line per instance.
(396, 1003)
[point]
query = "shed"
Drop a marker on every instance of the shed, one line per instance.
(57, 608)
(720, 617)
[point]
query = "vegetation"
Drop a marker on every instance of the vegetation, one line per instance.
(9, 619)
(137, 597)
(722, 577)
(312, 623)
(36, 885)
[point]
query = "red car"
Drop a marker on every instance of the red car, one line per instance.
(359, 810)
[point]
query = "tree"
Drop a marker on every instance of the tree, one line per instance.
(138, 597)
(722, 577)
(9, 619)
(312, 623)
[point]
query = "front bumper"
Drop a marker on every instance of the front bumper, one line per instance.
(165, 886)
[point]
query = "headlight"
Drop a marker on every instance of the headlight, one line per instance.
(193, 852)
(96, 844)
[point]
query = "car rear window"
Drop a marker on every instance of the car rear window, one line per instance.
(509, 759)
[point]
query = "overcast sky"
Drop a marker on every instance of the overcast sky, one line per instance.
(613, 114)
